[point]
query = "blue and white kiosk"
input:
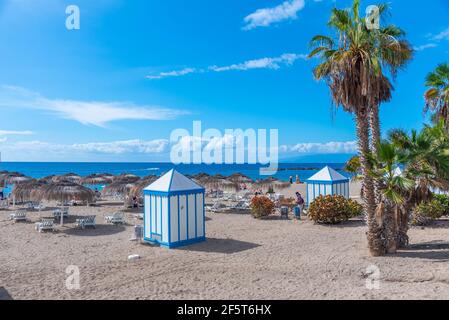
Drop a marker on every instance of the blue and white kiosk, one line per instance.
(327, 182)
(174, 212)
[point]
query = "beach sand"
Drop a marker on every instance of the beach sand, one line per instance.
(243, 258)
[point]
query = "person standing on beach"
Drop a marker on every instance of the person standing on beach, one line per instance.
(291, 180)
(299, 202)
(297, 179)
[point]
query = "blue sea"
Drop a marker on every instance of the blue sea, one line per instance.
(43, 169)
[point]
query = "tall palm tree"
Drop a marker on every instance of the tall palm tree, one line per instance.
(352, 63)
(437, 96)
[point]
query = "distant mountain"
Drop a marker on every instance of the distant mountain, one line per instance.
(318, 158)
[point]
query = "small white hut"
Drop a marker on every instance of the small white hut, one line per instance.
(174, 212)
(327, 182)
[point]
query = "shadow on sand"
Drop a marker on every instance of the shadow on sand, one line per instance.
(4, 294)
(100, 230)
(228, 246)
(434, 250)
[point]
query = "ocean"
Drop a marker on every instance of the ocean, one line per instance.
(43, 169)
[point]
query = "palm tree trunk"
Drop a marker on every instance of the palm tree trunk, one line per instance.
(374, 123)
(375, 242)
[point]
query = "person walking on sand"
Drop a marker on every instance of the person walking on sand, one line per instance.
(291, 179)
(299, 203)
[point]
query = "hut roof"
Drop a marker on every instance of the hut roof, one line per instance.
(173, 181)
(327, 174)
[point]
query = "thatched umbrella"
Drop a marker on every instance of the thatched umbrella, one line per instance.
(137, 189)
(119, 188)
(271, 182)
(240, 178)
(64, 191)
(23, 191)
(13, 177)
(70, 177)
(47, 179)
(126, 178)
(95, 179)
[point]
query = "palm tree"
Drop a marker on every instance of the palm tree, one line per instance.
(437, 96)
(425, 158)
(352, 64)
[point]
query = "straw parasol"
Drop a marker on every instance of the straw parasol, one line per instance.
(119, 188)
(63, 191)
(13, 178)
(95, 179)
(70, 177)
(137, 189)
(47, 179)
(23, 191)
(240, 178)
(126, 178)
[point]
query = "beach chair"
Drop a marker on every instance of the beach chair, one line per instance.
(4, 204)
(45, 225)
(116, 218)
(217, 207)
(241, 206)
(18, 216)
(38, 206)
(61, 211)
(86, 222)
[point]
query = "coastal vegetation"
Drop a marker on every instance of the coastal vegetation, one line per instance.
(333, 209)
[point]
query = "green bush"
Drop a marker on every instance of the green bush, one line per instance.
(425, 213)
(333, 209)
(444, 201)
(355, 208)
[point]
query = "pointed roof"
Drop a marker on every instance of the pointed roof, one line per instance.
(327, 174)
(173, 181)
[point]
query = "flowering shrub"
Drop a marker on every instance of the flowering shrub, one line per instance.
(425, 213)
(261, 207)
(355, 208)
(333, 209)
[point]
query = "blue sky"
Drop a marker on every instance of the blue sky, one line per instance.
(136, 70)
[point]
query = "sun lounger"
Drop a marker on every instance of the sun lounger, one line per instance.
(217, 207)
(45, 225)
(86, 222)
(61, 211)
(4, 204)
(116, 218)
(18, 216)
(241, 205)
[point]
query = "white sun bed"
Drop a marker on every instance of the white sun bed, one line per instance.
(116, 218)
(86, 222)
(18, 216)
(45, 225)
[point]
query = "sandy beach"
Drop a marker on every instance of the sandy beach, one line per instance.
(243, 258)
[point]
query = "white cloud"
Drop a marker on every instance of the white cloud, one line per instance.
(425, 46)
(95, 113)
(15, 133)
(115, 147)
(324, 148)
(286, 59)
(265, 63)
(443, 35)
(288, 10)
(176, 73)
